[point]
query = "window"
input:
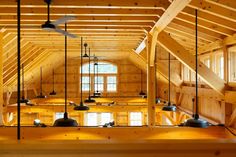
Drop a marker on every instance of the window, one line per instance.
(103, 68)
(98, 83)
(135, 118)
(105, 118)
(103, 77)
(219, 65)
(232, 65)
(193, 76)
(111, 83)
(85, 83)
(206, 61)
(10, 116)
(59, 115)
(92, 119)
(95, 119)
(186, 73)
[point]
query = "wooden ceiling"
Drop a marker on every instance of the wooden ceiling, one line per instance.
(112, 28)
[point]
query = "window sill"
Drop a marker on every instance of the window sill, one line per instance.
(232, 84)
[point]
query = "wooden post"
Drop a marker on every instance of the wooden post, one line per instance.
(1, 79)
(225, 54)
(151, 82)
(226, 111)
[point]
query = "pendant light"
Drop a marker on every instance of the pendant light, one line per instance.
(94, 73)
(23, 99)
(142, 94)
(53, 89)
(65, 121)
(195, 121)
(96, 93)
(169, 107)
(41, 86)
(81, 106)
(85, 50)
(89, 99)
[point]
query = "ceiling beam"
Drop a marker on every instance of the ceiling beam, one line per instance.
(171, 12)
(189, 31)
(213, 9)
(228, 4)
(219, 21)
(104, 18)
(206, 32)
(205, 25)
(82, 12)
(131, 4)
(188, 60)
(231, 40)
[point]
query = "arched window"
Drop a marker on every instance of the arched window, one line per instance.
(103, 77)
(103, 68)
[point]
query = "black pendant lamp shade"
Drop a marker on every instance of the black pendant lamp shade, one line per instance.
(53, 89)
(195, 121)
(65, 121)
(169, 107)
(141, 93)
(89, 99)
(41, 85)
(81, 106)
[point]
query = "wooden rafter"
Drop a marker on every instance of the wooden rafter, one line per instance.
(90, 3)
(188, 60)
(214, 9)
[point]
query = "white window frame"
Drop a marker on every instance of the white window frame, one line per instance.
(105, 76)
(219, 70)
(134, 120)
(98, 118)
(232, 71)
(113, 83)
(58, 115)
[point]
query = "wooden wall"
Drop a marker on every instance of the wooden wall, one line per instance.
(216, 108)
(128, 79)
(46, 114)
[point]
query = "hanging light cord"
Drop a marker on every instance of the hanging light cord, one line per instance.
(53, 79)
(169, 81)
(196, 116)
(65, 71)
(48, 11)
(89, 76)
(81, 74)
(23, 84)
(18, 67)
(141, 80)
(94, 74)
(97, 76)
(41, 78)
